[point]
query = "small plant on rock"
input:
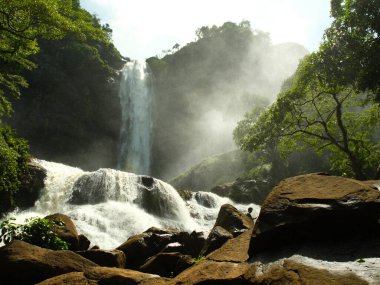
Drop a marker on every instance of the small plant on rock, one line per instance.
(37, 231)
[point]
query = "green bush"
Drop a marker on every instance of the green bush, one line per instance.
(13, 166)
(37, 231)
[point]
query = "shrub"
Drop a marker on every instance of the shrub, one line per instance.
(37, 231)
(13, 166)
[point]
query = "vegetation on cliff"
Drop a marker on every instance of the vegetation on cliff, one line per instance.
(203, 88)
(60, 42)
(330, 105)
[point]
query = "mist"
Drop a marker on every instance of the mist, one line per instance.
(208, 86)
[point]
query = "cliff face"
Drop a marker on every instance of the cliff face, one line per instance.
(70, 113)
(204, 88)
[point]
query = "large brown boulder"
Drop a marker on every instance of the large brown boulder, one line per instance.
(103, 276)
(107, 258)
(140, 247)
(316, 207)
(212, 272)
(67, 231)
(167, 264)
(289, 272)
(233, 220)
(234, 250)
(23, 263)
(217, 237)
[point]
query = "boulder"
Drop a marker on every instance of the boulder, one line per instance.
(107, 258)
(31, 185)
(23, 263)
(192, 243)
(233, 250)
(67, 232)
(232, 220)
(217, 237)
(316, 207)
(83, 242)
(212, 272)
(289, 272)
(103, 276)
(140, 247)
(167, 264)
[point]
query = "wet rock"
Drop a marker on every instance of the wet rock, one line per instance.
(31, 185)
(147, 181)
(192, 243)
(167, 264)
(233, 220)
(289, 272)
(140, 247)
(107, 258)
(217, 237)
(233, 250)
(83, 243)
(67, 231)
(316, 207)
(23, 263)
(102, 276)
(212, 272)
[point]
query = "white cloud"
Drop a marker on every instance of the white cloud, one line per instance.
(146, 27)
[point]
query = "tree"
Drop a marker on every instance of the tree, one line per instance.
(350, 52)
(316, 114)
(22, 24)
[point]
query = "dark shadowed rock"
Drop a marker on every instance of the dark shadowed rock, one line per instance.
(83, 243)
(192, 243)
(232, 220)
(31, 185)
(167, 264)
(140, 247)
(67, 232)
(107, 258)
(217, 237)
(23, 263)
(316, 207)
(147, 181)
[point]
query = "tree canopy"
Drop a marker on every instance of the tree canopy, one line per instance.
(328, 104)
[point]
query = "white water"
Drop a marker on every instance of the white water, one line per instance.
(108, 206)
(136, 99)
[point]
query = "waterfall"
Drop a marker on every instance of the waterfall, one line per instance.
(136, 98)
(108, 205)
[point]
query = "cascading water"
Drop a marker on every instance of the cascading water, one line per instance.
(136, 99)
(108, 206)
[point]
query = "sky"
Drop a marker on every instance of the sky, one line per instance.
(144, 28)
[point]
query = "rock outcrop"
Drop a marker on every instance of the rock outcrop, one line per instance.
(233, 220)
(102, 276)
(67, 232)
(107, 258)
(316, 207)
(23, 263)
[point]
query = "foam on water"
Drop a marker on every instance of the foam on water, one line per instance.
(108, 206)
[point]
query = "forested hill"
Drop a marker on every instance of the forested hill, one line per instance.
(70, 112)
(205, 87)
(57, 74)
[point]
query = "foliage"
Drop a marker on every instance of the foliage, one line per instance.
(350, 51)
(326, 105)
(37, 231)
(14, 156)
(22, 24)
(316, 114)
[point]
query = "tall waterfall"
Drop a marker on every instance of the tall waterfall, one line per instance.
(136, 98)
(108, 206)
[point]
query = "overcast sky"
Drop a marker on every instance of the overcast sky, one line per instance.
(144, 28)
